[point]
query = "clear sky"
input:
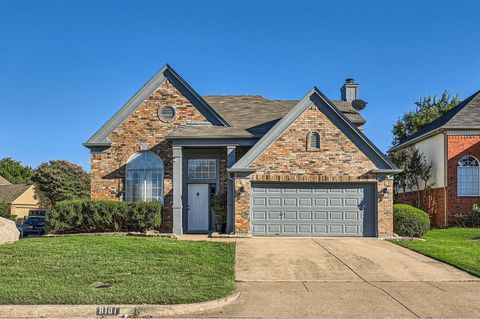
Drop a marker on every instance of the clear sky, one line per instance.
(67, 66)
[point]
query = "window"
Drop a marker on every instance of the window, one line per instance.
(202, 169)
(166, 113)
(313, 141)
(144, 178)
(468, 176)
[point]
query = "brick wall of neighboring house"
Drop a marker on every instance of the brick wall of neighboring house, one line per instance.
(287, 160)
(459, 146)
(142, 126)
(433, 202)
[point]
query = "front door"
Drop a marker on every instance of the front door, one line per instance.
(197, 208)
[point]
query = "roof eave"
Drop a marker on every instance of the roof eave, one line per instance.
(93, 144)
(386, 171)
(418, 139)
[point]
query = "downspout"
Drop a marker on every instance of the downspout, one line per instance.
(445, 177)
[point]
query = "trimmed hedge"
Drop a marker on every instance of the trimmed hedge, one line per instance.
(410, 221)
(91, 216)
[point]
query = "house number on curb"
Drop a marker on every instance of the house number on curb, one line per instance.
(108, 311)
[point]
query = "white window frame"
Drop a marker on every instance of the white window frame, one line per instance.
(152, 188)
(463, 171)
(207, 162)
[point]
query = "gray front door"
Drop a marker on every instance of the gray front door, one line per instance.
(313, 209)
(197, 208)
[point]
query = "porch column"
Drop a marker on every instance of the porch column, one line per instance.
(230, 190)
(177, 191)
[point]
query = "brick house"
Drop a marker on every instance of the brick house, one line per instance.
(288, 168)
(452, 144)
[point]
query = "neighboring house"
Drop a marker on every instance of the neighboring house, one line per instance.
(452, 144)
(289, 168)
(20, 197)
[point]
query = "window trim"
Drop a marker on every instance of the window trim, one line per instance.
(164, 119)
(309, 142)
(160, 169)
(188, 177)
(458, 178)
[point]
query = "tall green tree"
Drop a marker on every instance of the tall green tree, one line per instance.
(416, 173)
(427, 110)
(15, 172)
(62, 180)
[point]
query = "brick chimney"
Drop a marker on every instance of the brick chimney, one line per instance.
(349, 90)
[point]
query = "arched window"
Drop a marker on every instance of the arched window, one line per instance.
(144, 178)
(313, 141)
(468, 176)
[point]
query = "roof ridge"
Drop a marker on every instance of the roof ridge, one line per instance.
(439, 122)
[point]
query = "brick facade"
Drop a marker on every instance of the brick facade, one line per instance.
(459, 146)
(288, 159)
(433, 202)
(142, 126)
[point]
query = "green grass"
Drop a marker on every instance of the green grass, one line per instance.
(459, 247)
(65, 270)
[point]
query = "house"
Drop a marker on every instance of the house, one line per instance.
(452, 144)
(289, 168)
(20, 197)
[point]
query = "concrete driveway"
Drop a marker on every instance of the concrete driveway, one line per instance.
(346, 278)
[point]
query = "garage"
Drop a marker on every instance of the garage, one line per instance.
(319, 209)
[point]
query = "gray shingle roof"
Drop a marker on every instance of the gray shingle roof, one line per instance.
(8, 193)
(4, 181)
(466, 115)
(252, 115)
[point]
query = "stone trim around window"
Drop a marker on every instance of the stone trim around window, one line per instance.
(313, 142)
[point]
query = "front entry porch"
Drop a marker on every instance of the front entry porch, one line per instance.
(199, 173)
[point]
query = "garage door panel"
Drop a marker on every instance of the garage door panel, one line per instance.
(296, 209)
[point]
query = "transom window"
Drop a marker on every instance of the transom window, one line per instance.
(144, 178)
(468, 176)
(202, 168)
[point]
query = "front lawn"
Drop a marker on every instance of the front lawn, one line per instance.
(114, 270)
(459, 247)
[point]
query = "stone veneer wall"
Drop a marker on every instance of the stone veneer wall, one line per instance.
(142, 126)
(288, 160)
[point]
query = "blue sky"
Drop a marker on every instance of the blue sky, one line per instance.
(67, 66)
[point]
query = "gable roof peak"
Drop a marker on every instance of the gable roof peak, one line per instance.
(100, 138)
(464, 115)
(316, 97)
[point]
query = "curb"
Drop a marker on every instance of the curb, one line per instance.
(125, 311)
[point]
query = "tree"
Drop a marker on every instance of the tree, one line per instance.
(416, 172)
(427, 110)
(15, 172)
(62, 180)
(5, 210)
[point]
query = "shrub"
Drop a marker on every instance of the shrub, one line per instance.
(410, 221)
(87, 216)
(219, 206)
(462, 220)
(475, 215)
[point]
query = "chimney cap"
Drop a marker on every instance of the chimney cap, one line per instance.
(349, 81)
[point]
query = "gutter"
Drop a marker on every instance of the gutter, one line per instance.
(386, 171)
(211, 137)
(417, 139)
(241, 170)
